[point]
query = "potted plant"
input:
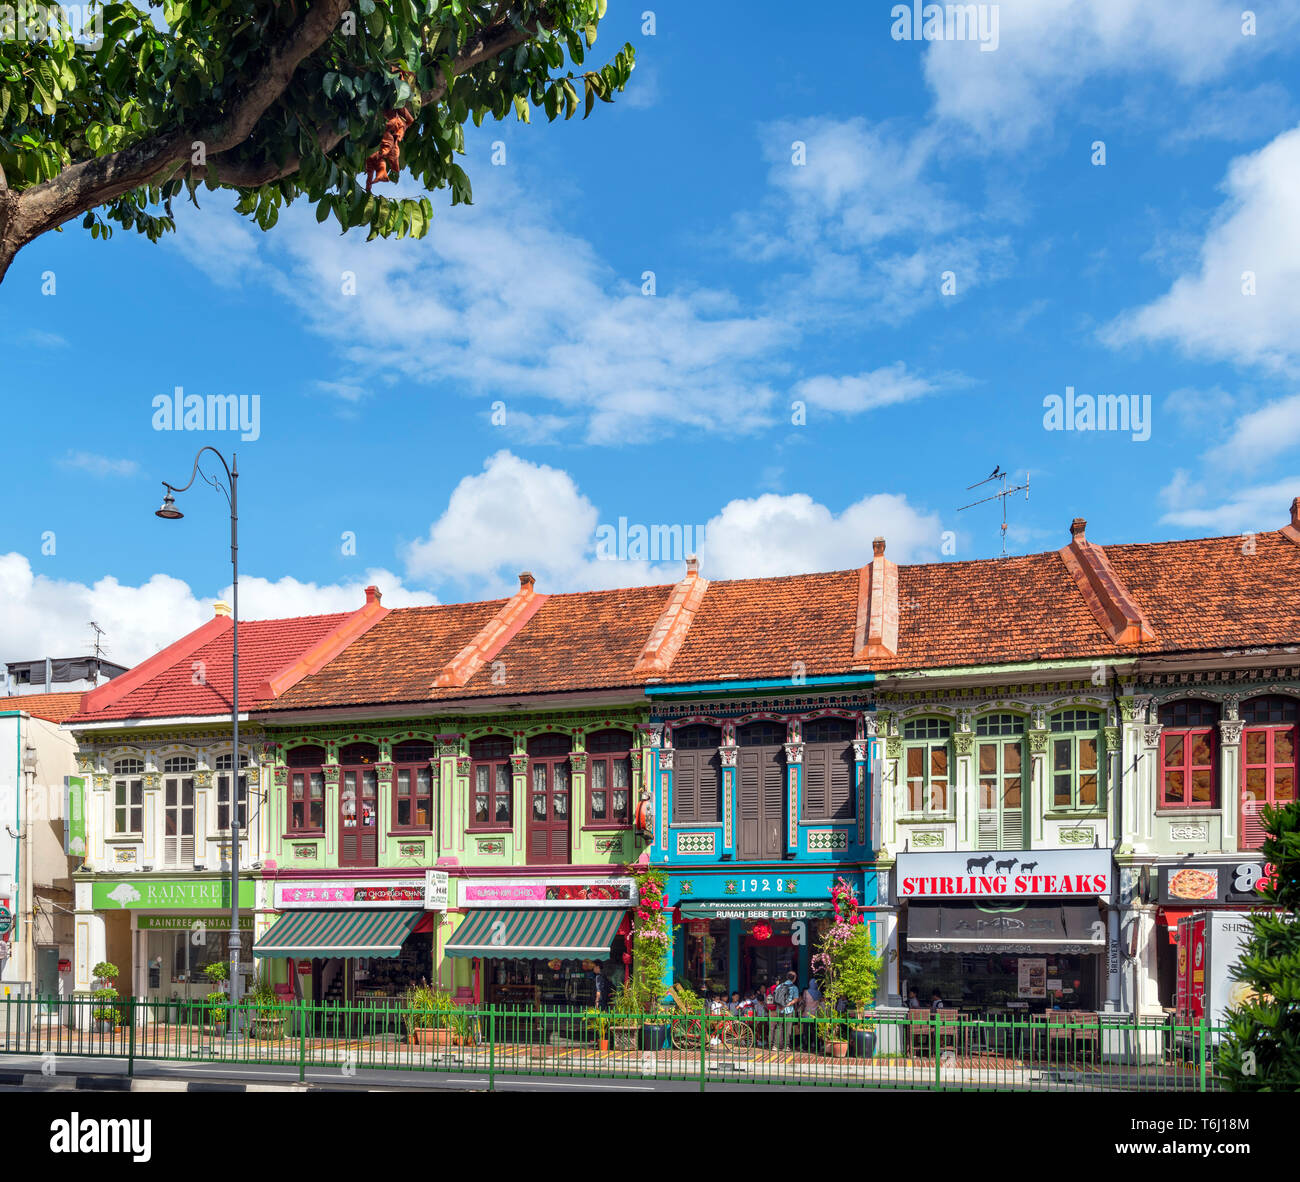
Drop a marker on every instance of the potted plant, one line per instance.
(106, 1010)
(598, 1022)
(268, 1012)
(832, 1027)
(651, 935)
(218, 1002)
(627, 1013)
(850, 967)
(431, 1016)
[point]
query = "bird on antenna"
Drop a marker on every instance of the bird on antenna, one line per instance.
(995, 473)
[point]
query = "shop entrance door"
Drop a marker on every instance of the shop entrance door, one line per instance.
(760, 774)
(47, 975)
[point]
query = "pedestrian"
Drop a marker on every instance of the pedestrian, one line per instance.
(936, 1001)
(812, 1001)
(913, 1002)
(602, 987)
(785, 998)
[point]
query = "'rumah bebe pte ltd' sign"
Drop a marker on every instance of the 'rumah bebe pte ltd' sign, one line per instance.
(1004, 874)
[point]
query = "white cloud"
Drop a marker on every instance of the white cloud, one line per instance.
(1048, 49)
(1207, 314)
(851, 395)
(99, 465)
(1233, 115)
(1258, 508)
(1259, 435)
(783, 535)
(47, 616)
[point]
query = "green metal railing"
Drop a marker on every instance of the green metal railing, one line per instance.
(1051, 1052)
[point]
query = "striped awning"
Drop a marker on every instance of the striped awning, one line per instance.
(340, 932)
(537, 932)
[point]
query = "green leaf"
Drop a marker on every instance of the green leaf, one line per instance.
(330, 83)
(589, 31)
(552, 102)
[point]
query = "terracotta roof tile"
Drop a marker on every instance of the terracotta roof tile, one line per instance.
(51, 707)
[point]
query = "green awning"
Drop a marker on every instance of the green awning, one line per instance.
(537, 932)
(344, 933)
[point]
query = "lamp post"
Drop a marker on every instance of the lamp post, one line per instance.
(169, 512)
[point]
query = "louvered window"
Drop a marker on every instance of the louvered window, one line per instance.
(760, 796)
(697, 774)
(829, 770)
(1269, 753)
(178, 820)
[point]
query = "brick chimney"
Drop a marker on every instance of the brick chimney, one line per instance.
(669, 633)
(526, 580)
(494, 635)
(373, 594)
(221, 608)
(875, 633)
(1292, 531)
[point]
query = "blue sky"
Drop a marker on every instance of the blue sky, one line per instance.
(777, 285)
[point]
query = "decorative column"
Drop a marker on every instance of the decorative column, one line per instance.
(963, 742)
(862, 786)
(1230, 772)
(578, 800)
(727, 754)
(794, 773)
(1148, 735)
(521, 804)
(1039, 803)
(1112, 736)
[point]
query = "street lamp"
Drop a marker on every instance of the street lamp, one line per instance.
(169, 512)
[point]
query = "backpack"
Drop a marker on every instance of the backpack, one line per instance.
(786, 995)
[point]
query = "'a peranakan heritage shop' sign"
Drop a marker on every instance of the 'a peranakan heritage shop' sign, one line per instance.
(757, 909)
(146, 894)
(1005, 874)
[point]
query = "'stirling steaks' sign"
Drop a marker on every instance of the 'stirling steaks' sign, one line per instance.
(1004, 874)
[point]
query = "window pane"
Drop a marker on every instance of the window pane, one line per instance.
(423, 811)
(1087, 755)
(1088, 789)
(369, 784)
(503, 779)
(620, 812)
(1283, 784)
(137, 820)
(1011, 758)
(939, 796)
(598, 804)
(404, 811)
(318, 814)
(1257, 783)
(120, 791)
(938, 761)
(1061, 791)
(424, 781)
(988, 753)
(598, 774)
(916, 761)
(1202, 750)
(318, 785)
(481, 808)
(503, 810)
(1203, 787)
(988, 794)
(1284, 746)
(1173, 788)
(403, 782)
(559, 806)
(296, 816)
(1011, 793)
(560, 777)
(539, 807)
(915, 796)
(1061, 755)
(622, 773)
(1256, 746)
(481, 774)
(1173, 750)
(539, 777)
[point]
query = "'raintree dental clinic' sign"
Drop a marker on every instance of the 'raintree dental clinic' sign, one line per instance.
(1004, 874)
(168, 895)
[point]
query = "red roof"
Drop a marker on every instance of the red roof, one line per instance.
(1205, 594)
(51, 707)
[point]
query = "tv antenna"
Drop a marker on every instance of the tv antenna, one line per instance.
(99, 650)
(998, 474)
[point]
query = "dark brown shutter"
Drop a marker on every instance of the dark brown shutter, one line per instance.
(749, 807)
(843, 771)
(816, 761)
(686, 774)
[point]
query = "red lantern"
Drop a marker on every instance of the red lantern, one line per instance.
(762, 932)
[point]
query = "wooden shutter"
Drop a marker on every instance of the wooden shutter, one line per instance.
(774, 782)
(749, 772)
(686, 775)
(816, 773)
(707, 786)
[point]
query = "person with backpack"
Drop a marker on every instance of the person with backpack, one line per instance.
(785, 1000)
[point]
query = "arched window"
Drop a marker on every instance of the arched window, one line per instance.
(128, 797)
(224, 765)
(306, 789)
(1076, 760)
(999, 769)
(829, 769)
(413, 785)
(179, 764)
(1188, 747)
(926, 767)
(609, 778)
(1269, 751)
(697, 774)
(490, 776)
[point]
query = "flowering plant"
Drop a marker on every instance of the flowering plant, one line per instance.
(651, 932)
(846, 959)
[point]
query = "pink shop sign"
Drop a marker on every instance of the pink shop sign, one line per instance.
(530, 892)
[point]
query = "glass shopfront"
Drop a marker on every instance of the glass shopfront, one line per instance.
(990, 983)
(176, 950)
(532, 983)
(765, 951)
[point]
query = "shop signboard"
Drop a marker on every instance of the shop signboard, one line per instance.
(6, 920)
(781, 890)
(775, 909)
(158, 894)
(436, 890)
(1226, 883)
(343, 892)
(547, 892)
(1070, 928)
(180, 923)
(1005, 874)
(74, 813)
